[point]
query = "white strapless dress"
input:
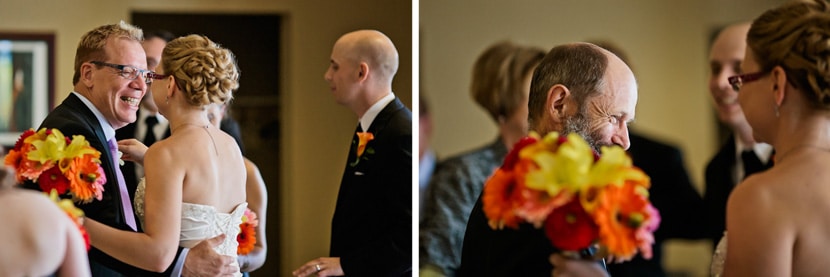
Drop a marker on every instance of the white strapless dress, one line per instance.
(200, 222)
(716, 270)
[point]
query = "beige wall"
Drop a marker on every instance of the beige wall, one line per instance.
(667, 43)
(316, 131)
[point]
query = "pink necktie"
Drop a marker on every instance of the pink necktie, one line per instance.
(125, 196)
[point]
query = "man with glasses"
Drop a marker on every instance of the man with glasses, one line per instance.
(109, 81)
(150, 126)
(740, 155)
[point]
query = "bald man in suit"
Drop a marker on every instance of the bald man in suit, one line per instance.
(372, 225)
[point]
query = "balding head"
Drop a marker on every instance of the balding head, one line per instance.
(373, 48)
(577, 66)
(363, 64)
(584, 89)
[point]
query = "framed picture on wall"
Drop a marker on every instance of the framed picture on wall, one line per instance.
(26, 82)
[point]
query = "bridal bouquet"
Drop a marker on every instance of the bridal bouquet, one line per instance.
(56, 162)
(247, 233)
(580, 198)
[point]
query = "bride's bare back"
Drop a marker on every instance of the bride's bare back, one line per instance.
(778, 221)
(207, 160)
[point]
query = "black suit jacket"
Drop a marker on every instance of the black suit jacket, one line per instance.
(128, 169)
(372, 223)
(72, 117)
(508, 252)
(719, 184)
(681, 207)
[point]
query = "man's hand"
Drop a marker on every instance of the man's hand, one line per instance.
(323, 267)
(203, 261)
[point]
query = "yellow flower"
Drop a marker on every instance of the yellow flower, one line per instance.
(50, 148)
(565, 167)
(614, 167)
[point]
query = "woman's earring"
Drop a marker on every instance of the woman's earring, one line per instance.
(776, 111)
(167, 101)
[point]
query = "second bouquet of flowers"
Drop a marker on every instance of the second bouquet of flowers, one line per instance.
(579, 197)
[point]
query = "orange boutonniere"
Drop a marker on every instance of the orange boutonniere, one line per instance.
(363, 138)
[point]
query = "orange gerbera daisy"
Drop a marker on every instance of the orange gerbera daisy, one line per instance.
(14, 159)
(246, 238)
(247, 233)
(86, 177)
(623, 214)
(497, 200)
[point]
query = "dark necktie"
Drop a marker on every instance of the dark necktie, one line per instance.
(752, 164)
(150, 136)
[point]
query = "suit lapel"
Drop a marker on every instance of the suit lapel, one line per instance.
(76, 105)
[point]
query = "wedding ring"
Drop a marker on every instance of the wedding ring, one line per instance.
(317, 266)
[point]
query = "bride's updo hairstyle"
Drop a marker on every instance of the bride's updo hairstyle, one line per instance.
(796, 36)
(204, 71)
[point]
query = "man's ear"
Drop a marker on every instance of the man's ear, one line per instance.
(364, 72)
(86, 74)
(557, 98)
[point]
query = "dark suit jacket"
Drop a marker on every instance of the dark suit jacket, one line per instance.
(372, 223)
(681, 207)
(719, 184)
(508, 252)
(72, 117)
(128, 169)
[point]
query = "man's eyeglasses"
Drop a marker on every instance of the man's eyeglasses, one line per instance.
(129, 72)
(737, 81)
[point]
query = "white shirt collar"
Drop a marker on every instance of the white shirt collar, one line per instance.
(143, 114)
(374, 110)
(109, 132)
(762, 150)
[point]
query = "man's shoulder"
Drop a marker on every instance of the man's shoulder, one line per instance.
(72, 119)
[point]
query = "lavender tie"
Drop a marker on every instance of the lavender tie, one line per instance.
(125, 196)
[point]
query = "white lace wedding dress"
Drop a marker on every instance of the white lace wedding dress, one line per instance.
(716, 270)
(200, 222)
